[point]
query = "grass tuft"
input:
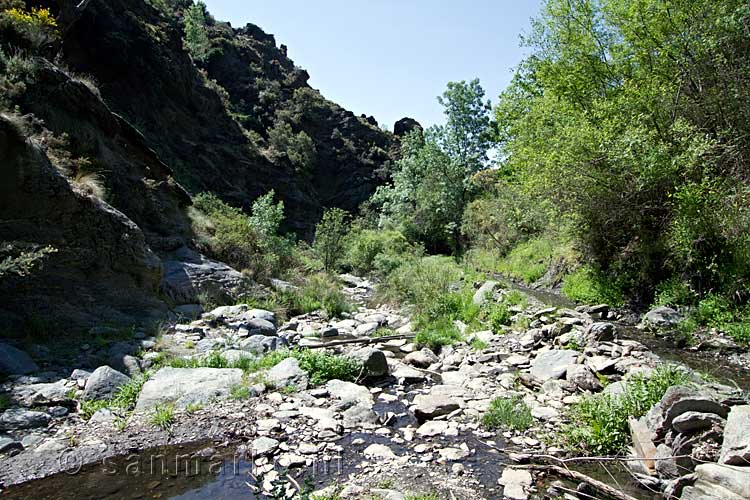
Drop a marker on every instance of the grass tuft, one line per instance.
(508, 413)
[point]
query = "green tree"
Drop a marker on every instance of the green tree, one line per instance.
(432, 182)
(196, 35)
(330, 233)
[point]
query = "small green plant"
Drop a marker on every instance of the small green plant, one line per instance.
(162, 416)
(322, 366)
(382, 332)
(479, 345)
(193, 408)
(189, 344)
(437, 333)
(516, 298)
(124, 399)
(239, 392)
(599, 423)
(507, 413)
(498, 316)
(121, 423)
(573, 344)
(5, 402)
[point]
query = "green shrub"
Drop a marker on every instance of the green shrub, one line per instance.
(587, 286)
(507, 413)
(322, 366)
(599, 423)
(379, 251)
(516, 298)
(299, 148)
(239, 392)
(196, 35)
(498, 316)
(250, 243)
(330, 232)
(422, 281)
(529, 260)
(437, 333)
(124, 399)
(675, 292)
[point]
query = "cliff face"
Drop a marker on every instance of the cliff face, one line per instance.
(211, 124)
(120, 127)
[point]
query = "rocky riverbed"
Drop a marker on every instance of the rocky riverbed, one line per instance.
(409, 425)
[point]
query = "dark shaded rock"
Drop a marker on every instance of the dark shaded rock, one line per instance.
(601, 332)
(406, 125)
(15, 362)
(374, 363)
(188, 275)
(18, 419)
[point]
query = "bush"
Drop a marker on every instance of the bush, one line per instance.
(423, 282)
(437, 333)
(507, 413)
(379, 251)
(330, 234)
(599, 423)
(299, 148)
(322, 366)
(587, 286)
(196, 35)
(498, 316)
(529, 260)
(20, 260)
(319, 291)
(37, 26)
(250, 243)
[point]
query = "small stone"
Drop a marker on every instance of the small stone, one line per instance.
(515, 483)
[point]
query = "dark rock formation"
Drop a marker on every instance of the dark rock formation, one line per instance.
(405, 125)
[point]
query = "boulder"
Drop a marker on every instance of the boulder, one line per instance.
(664, 462)
(736, 447)
(422, 358)
(15, 362)
(262, 344)
(191, 275)
(429, 406)
(185, 386)
(694, 421)
(601, 332)
(484, 292)
(349, 392)
(662, 317)
(373, 361)
(380, 451)
(408, 375)
(18, 419)
(719, 482)
(515, 483)
(258, 326)
(42, 394)
(263, 446)
(288, 374)
(103, 383)
(553, 364)
(581, 376)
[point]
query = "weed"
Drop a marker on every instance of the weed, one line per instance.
(322, 367)
(509, 413)
(193, 408)
(163, 417)
(437, 333)
(189, 344)
(497, 316)
(479, 345)
(239, 392)
(599, 423)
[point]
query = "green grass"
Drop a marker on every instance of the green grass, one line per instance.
(479, 345)
(599, 423)
(193, 408)
(507, 413)
(528, 261)
(319, 365)
(163, 417)
(319, 292)
(383, 332)
(497, 316)
(239, 392)
(437, 333)
(124, 399)
(588, 287)
(516, 298)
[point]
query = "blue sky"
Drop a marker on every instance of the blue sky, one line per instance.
(391, 58)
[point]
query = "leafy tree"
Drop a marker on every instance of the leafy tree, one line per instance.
(196, 36)
(432, 182)
(299, 148)
(330, 233)
(466, 137)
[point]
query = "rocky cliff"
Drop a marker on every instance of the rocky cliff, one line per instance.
(109, 129)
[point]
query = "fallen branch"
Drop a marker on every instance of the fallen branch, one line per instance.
(581, 478)
(363, 340)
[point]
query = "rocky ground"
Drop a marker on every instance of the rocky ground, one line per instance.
(411, 424)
